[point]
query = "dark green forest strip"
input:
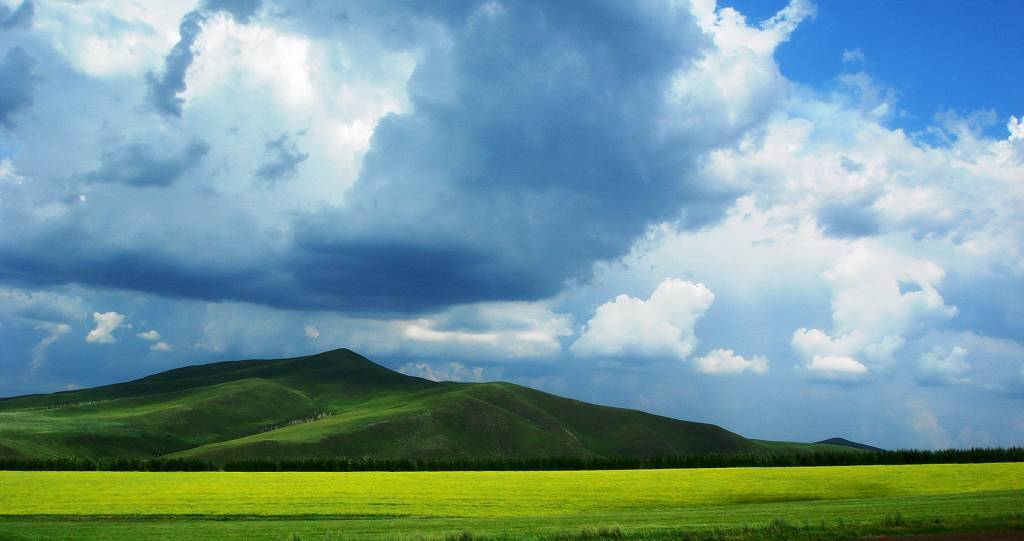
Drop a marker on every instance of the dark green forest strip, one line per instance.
(898, 457)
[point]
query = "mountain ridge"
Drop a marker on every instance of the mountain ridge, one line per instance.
(341, 404)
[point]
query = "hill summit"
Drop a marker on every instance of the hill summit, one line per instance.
(341, 404)
(843, 442)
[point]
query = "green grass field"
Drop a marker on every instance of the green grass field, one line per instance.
(745, 503)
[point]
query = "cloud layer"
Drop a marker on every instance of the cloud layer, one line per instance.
(511, 178)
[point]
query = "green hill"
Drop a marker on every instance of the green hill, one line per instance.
(843, 442)
(341, 404)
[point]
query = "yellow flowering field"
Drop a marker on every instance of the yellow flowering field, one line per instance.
(479, 494)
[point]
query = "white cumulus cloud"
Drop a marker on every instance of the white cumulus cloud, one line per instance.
(109, 39)
(510, 330)
(106, 324)
(726, 361)
(1016, 128)
(658, 327)
(152, 335)
(879, 299)
(737, 82)
(312, 332)
(836, 367)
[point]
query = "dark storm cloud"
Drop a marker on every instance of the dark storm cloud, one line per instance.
(535, 145)
(409, 277)
(281, 161)
(163, 88)
(19, 17)
(534, 148)
(371, 278)
(17, 83)
(145, 164)
(118, 268)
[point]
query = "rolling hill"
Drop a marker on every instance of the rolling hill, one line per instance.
(843, 442)
(339, 403)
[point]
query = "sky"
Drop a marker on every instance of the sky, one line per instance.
(795, 220)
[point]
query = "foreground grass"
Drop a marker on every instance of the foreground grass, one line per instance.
(716, 524)
(744, 503)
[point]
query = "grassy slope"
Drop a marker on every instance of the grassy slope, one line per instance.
(786, 447)
(339, 404)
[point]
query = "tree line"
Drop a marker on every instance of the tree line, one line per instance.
(341, 464)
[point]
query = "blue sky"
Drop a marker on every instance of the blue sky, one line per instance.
(795, 220)
(937, 56)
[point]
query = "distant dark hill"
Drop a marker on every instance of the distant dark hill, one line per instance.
(842, 442)
(341, 404)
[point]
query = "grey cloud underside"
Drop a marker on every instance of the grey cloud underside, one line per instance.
(370, 279)
(533, 149)
(19, 17)
(144, 164)
(17, 82)
(849, 219)
(281, 162)
(535, 145)
(978, 306)
(163, 88)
